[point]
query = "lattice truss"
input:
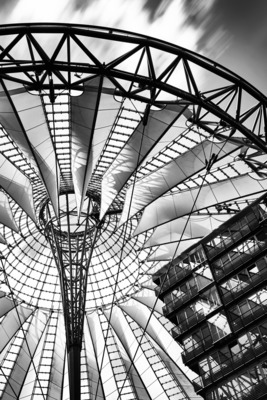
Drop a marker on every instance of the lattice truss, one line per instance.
(117, 152)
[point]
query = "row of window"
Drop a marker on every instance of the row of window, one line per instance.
(177, 270)
(201, 278)
(202, 275)
(234, 232)
(245, 279)
(238, 256)
(190, 315)
(248, 346)
(250, 385)
(217, 327)
(249, 309)
(214, 329)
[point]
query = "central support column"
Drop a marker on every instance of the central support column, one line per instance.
(74, 364)
(72, 242)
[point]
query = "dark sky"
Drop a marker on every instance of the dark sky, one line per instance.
(239, 30)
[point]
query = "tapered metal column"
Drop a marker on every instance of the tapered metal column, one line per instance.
(74, 364)
(72, 242)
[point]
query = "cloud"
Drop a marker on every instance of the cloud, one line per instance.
(82, 5)
(239, 16)
(156, 7)
(227, 22)
(165, 19)
(6, 7)
(29, 11)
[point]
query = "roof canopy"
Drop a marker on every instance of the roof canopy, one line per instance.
(119, 151)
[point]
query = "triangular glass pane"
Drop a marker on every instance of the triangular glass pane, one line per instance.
(48, 42)
(210, 80)
(78, 53)
(62, 55)
(122, 83)
(20, 78)
(106, 50)
(161, 60)
(196, 75)
(20, 51)
(178, 77)
(6, 40)
(131, 63)
(247, 103)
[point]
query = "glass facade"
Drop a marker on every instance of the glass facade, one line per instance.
(216, 294)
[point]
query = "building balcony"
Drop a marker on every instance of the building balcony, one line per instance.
(193, 352)
(198, 384)
(231, 295)
(257, 392)
(179, 301)
(203, 347)
(238, 322)
(187, 324)
(238, 361)
(230, 265)
(170, 282)
(230, 238)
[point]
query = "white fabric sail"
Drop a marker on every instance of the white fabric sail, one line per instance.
(141, 142)
(177, 205)
(92, 117)
(30, 111)
(173, 231)
(25, 357)
(17, 185)
(84, 111)
(11, 123)
(176, 171)
(6, 216)
(167, 252)
(15, 317)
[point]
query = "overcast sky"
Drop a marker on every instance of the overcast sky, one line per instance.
(233, 32)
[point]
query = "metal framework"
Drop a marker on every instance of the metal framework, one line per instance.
(117, 151)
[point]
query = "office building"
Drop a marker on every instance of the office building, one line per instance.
(216, 295)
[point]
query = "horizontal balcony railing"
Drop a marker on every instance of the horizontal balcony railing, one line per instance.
(203, 346)
(193, 352)
(239, 322)
(226, 242)
(171, 281)
(257, 392)
(198, 384)
(179, 301)
(187, 324)
(236, 292)
(230, 365)
(234, 263)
